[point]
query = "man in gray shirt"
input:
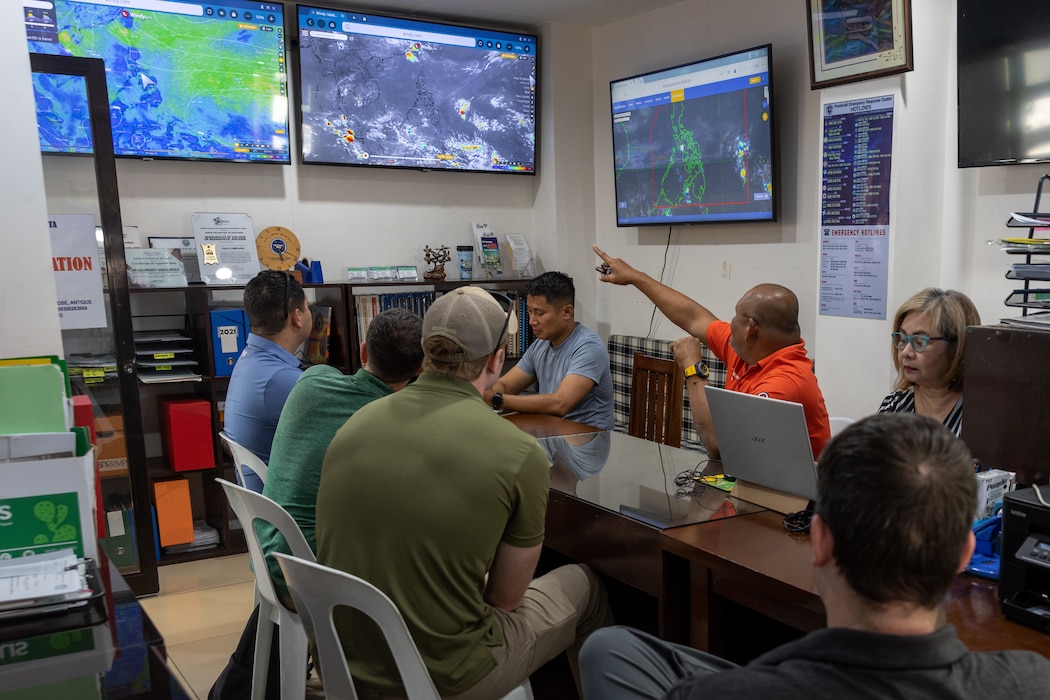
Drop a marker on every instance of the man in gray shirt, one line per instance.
(567, 361)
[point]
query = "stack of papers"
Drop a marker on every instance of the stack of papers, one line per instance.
(1022, 220)
(42, 583)
(204, 537)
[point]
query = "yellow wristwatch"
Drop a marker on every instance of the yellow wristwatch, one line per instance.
(698, 370)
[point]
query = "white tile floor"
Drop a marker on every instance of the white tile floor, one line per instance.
(200, 612)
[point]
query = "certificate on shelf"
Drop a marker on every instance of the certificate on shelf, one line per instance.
(154, 267)
(187, 247)
(78, 277)
(225, 247)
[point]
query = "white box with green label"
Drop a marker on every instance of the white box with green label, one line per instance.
(47, 505)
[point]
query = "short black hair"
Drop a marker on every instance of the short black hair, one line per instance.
(897, 491)
(556, 287)
(268, 299)
(395, 348)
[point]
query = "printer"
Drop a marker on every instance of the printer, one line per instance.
(1024, 576)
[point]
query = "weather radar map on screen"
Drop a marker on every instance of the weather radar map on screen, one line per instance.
(385, 91)
(186, 80)
(694, 144)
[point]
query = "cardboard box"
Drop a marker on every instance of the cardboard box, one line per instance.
(48, 505)
(229, 332)
(174, 514)
(992, 485)
(188, 433)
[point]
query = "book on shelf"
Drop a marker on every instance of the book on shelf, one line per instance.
(491, 259)
(317, 345)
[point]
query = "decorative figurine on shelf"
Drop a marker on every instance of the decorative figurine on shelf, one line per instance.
(437, 258)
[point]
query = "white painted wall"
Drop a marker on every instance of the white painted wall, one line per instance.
(27, 303)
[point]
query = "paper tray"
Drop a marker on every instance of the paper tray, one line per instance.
(52, 617)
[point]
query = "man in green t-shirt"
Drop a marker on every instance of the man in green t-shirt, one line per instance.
(441, 503)
(320, 402)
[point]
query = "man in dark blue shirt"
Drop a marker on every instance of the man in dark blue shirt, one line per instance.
(896, 497)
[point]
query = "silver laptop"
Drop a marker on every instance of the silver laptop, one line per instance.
(764, 441)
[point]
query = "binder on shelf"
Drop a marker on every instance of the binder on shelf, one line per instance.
(174, 515)
(118, 541)
(187, 432)
(317, 345)
(35, 399)
(229, 332)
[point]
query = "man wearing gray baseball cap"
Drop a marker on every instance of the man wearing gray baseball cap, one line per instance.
(441, 503)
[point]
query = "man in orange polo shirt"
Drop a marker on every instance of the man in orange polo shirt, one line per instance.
(761, 347)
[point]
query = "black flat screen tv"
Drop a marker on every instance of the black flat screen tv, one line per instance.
(1004, 82)
(694, 144)
(186, 80)
(402, 93)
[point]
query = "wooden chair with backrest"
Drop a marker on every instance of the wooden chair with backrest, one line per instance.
(250, 507)
(657, 388)
(318, 590)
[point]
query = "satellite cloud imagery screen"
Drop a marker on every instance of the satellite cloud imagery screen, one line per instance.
(185, 80)
(386, 91)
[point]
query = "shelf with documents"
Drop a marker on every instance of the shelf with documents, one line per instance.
(1037, 295)
(370, 298)
(187, 340)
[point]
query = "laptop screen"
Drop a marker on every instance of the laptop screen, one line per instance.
(764, 441)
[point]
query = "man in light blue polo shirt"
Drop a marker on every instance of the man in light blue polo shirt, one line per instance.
(267, 370)
(567, 361)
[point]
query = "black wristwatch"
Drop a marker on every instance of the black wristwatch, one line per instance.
(497, 401)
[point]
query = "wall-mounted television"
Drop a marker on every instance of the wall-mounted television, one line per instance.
(1004, 82)
(694, 144)
(186, 80)
(384, 91)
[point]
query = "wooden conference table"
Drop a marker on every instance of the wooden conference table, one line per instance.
(614, 505)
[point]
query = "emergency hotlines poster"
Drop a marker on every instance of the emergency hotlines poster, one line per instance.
(855, 207)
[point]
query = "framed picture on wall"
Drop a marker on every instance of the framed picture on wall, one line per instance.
(851, 40)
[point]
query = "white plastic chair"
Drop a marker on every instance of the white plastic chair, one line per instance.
(250, 507)
(317, 590)
(243, 457)
(837, 423)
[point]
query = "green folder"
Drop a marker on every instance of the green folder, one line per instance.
(33, 399)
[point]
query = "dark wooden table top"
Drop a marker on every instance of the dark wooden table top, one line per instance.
(756, 551)
(541, 425)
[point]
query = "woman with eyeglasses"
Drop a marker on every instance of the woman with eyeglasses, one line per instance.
(927, 345)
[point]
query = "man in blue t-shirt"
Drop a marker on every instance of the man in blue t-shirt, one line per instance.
(267, 370)
(568, 361)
